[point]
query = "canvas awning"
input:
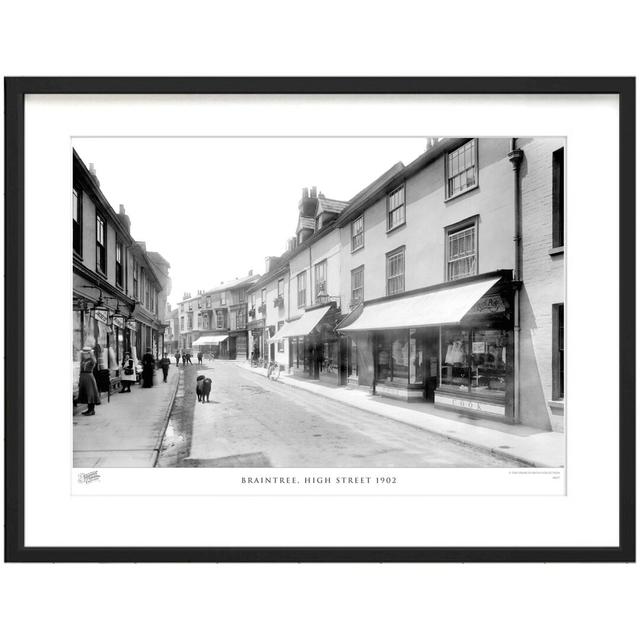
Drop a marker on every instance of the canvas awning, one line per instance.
(442, 306)
(208, 340)
(303, 326)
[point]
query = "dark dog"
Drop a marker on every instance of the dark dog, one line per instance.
(199, 387)
(206, 389)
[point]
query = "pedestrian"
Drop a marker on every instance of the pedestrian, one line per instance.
(184, 359)
(177, 356)
(199, 357)
(128, 373)
(189, 357)
(87, 387)
(164, 365)
(148, 365)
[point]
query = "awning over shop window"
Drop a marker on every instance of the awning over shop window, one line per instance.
(208, 340)
(431, 308)
(303, 326)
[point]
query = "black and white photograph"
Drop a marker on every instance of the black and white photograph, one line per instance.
(318, 302)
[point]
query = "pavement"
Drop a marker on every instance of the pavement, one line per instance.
(520, 443)
(127, 431)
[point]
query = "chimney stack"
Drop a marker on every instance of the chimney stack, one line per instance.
(305, 192)
(92, 171)
(124, 217)
(313, 193)
(250, 272)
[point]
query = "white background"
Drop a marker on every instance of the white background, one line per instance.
(319, 601)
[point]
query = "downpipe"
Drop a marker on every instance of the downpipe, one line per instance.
(515, 157)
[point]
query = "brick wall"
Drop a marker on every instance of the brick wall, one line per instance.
(544, 284)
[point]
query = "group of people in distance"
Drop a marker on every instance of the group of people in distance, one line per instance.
(185, 356)
(88, 392)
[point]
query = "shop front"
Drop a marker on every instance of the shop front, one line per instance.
(256, 339)
(314, 346)
(455, 349)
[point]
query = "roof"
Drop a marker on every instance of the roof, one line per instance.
(234, 284)
(279, 266)
(331, 206)
(394, 176)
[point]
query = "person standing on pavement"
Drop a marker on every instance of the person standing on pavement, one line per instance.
(177, 356)
(128, 373)
(184, 359)
(87, 386)
(165, 362)
(148, 365)
(189, 357)
(199, 357)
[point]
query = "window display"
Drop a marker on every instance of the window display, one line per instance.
(416, 356)
(474, 360)
(393, 357)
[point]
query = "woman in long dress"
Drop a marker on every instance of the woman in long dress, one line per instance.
(128, 373)
(148, 365)
(87, 386)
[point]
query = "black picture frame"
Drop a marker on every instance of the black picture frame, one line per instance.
(15, 91)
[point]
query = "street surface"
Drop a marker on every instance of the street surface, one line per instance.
(252, 421)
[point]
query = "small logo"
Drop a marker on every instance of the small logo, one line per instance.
(86, 478)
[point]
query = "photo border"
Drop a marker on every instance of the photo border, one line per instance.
(15, 91)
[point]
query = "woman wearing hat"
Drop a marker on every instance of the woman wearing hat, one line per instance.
(128, 373)
(87, 387)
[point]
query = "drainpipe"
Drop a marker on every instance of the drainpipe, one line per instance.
(515, 157)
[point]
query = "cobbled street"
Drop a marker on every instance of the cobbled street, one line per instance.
(251, 421)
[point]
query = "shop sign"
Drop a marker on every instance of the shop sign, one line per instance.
(118, 322)
(132, 325)
(101, 315)
(479, 347)
(489, 304)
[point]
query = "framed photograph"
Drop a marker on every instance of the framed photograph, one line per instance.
(320, 319)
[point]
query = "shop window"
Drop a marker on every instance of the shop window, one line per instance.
(77, 221)
(395, 209)
(320, 273)
(352, 366)
(299, 352)
(557, 360)
(357, 234)
(462, 252)
(393, 357)
(357, 285)
(119, 265)
(474, 361)
(280, 342)
(395, 272)
(558, 198)
(101, 245)
(461, 169)
(329, 357)
(302, 289)
(416, 359)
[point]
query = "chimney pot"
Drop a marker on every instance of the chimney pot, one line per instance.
(122, 211)
(250, 272)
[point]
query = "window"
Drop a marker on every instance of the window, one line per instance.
(462, 169)
(147, 302)
(557, 358)
(220, 319)
(558, 198)
(119, 269)
(182, 324)
(241, 295)
(357, 285)
(321, 278)
(280, 342)
(77, 221)
(474, 360)
(392, 361)
(462, 252)
(135, 281)
(101, 245)
(395, 272)
(352, 365)
(263, 296)
(223, 299)
(205, 321)
(395, 209)
(357, 233)
(302, 289)
(208, 302)
(241, 319)
(281, 288)
(189, 322)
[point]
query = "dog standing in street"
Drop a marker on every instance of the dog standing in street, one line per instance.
(199, 387)
(206, 389)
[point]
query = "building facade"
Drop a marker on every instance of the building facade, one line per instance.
(119, 289)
